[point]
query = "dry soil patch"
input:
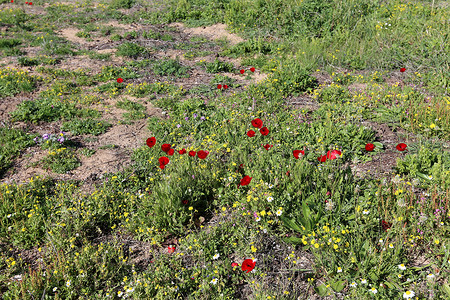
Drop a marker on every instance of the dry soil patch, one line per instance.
(213, 32)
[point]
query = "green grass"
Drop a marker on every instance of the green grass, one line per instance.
(88, 126)
(170, 67)
(131, 50)
(12, 142)
(14, 81)
(332, 82)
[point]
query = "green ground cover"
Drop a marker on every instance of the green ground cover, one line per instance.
(328, 177)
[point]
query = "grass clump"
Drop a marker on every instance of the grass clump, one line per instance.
(48, 109)
(87, 126)
(170, 67)
(135, 110)
(14, 81)
(131, 50)
(61, 160)
(127, 4)
(217, 66)
(12, 142)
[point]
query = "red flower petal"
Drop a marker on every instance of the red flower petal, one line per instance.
(246, 180)
(151, 141)
(162, 167)
(322, 158)
(219, 86)
(163, 160)
(401, 147)
(385, 225)
(165, 147)
(370, 147)
(225, 86)
(170, 152)
(182, 151)
(267, 146)
(250, 133)
(297, 152)
(242, 71)
(248, 265)
(192, 153)
(402, 70)
(333, 154)
(202, 154)
(119, 80)
(234, 264)
(258, 123)
(264, 131)
(171, 249)
(252, 69)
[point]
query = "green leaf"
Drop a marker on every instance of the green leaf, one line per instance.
(351, 217)
(321, 290)
(290, 224)
(389, 285)
(373, 276)
(378, 145)
(293, 240)
(446, 289)
(338, 285)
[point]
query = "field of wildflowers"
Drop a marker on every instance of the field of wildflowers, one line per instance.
(139, 161)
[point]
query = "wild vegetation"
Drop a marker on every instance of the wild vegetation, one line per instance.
(306, 156)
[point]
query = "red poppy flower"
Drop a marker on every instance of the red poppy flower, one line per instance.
(219, 86)
(170, 152)
(151, 141)
(182, 151)
(370, 147)
(322, 158)
(248, 265)
(225, 86)
(234, 264)
(297, 152)
(242, 71)
(163, 160)
(162, 166)
(385, 225)
(333, 154)
(12, 1)
(192, 153)
(264, 131)
(202, 154)
(402, 70)
(26, 2)
(246, 180)
(252, 69)
(171, 249)
(267, 146)
(165, 147)
(251, 133)
(258, 123)
(401, 147)
(119, 80)
(30, 3)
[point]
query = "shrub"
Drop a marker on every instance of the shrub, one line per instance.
(88, 126)
(127, 4)
(132, 50)
(170, 67)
